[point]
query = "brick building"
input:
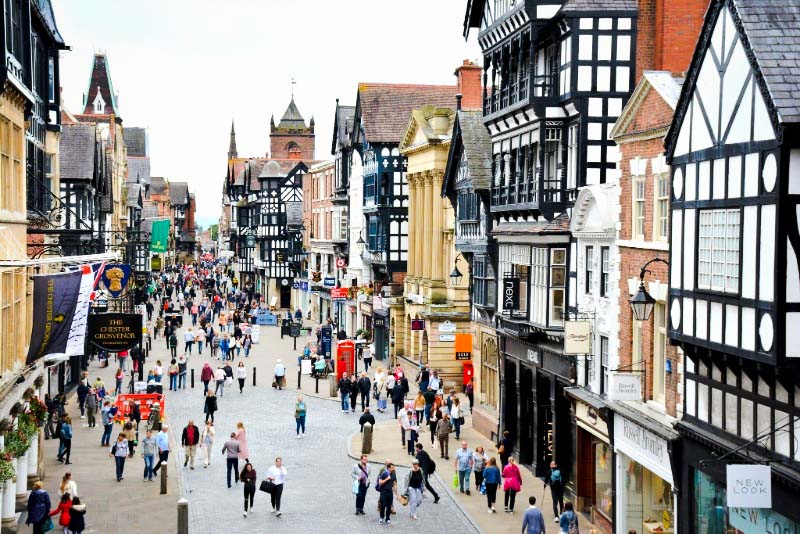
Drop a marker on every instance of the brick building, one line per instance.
(325, 231)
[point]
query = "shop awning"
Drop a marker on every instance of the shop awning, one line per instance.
(653, 421)
(587, 397)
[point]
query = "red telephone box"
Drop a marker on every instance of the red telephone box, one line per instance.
(469, 372)
(345, 358)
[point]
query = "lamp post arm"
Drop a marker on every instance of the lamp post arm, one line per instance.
(645, 270)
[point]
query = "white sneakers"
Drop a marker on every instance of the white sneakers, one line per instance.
(556, 520)
(245, 513)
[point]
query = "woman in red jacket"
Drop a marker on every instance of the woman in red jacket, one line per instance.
(205, 376)
(63, 508)
(512, 483)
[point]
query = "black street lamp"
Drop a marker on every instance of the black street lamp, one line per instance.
(456, 276)
(642, 302)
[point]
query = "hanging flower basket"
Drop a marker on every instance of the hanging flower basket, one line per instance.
(39, 382)
(26, 423)
(7, 470)
(16, 442)
(28, 394)
(38, 410)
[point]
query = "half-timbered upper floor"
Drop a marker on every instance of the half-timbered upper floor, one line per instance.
(734, 281)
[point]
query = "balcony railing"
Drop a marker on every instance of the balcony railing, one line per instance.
(470, 230)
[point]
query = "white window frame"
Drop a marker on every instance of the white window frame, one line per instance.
(589, 268)
(572, 157)
(639, 206)
(605, 272)
(604, 372)
(719, 248)
(661, 207)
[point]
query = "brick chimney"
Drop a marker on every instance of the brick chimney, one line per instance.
(667, 32)
(469, 85)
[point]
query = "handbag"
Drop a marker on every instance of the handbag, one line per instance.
(355, 487)
(267, 486)
(403, 500)
(48, 525)
(461, 420)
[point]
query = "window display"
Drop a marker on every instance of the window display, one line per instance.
(649, 504)
(602, 478)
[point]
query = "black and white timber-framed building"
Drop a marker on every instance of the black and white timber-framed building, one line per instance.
(556, 77)
(735, 283)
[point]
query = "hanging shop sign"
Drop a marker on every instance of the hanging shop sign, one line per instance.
(463, 347)
(624, 386)
(294, 213)
(115, 332)
(339, 293)
(417, 325)
(329, 281)
(377, 302)
(341, 263)
(577, 337)
(510, 294)
(749, 486)
(115, 279)
(155, 262)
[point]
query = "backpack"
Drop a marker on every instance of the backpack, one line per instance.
(378, 479)
(573, 524)
(431, 465)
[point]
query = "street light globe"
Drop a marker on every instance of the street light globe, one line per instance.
(456, 276)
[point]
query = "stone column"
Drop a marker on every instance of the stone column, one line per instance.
(9, 501)
(33, 461)
(419, 236)
(22, 481)
(428, 252)
(438, 255)
(412, 221)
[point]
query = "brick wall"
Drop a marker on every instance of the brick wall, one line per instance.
(667, 34)
(652, 114)
(469, 85)
(278, 143)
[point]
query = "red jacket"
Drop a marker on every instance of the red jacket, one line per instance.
(207, 373)
(62, 507)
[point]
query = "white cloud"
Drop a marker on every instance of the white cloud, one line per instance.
(184, 68)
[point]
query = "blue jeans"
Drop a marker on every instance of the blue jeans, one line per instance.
(173, 382)
(120, 461)
(463, 480)
(149, 462)
(106, 434)
(233, 465)
(428, 411)
(457, 424)
(199, 347)
(301, 423)
(345, 401)
(182, 379)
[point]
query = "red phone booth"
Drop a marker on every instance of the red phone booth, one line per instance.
(469, 372)
(345, 358)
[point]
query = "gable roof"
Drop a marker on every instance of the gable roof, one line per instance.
(134, 195)
(667, 86)
(135, 141)
(342, 125)
(600, 5)
(471, 140)
(100, 80)
(138, 170)
(420, 122)
(383, 109)
(772, 28)
(45, 10)
(178, 193)
(77, 151)
(158, 185)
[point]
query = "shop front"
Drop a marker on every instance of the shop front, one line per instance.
(708, 504)
(535, 410)
(594, 454)
(645, 489)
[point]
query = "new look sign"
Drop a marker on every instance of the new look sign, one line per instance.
(749, 486)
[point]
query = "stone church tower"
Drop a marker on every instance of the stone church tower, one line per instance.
(291, 139)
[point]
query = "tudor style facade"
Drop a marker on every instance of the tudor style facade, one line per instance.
(734, 292)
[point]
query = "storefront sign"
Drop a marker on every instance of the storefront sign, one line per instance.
(642, 446)
(749, 486)
(447, 338)
(588, 419)
(759, 520)
(463, 347)
(510, 294)
(624, 386)
(365, 308)
(339, 293)
(577, 337)
(534, 357)
(304, 285)
(378, 322)
(115, 332)
(417, 325)
(329, 281)
(155, 263)
(447, 327)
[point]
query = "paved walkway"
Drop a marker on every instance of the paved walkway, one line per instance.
(128, 506)
(317, 495)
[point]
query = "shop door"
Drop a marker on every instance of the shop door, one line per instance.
(286, 297)
(526, 418)
(544, 426)
(510, 401)
(564, 437)
(586, 471)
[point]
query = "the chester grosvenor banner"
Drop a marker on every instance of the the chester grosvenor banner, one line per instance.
(115, 332)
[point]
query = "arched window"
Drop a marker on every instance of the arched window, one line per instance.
(293, 150)
(490, 379)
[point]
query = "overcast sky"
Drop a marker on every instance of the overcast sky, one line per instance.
(184, 68)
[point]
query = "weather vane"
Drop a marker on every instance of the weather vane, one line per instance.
(293, 84)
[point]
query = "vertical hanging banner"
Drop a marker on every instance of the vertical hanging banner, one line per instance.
(77, 331)
(55, 299)
(159, 236)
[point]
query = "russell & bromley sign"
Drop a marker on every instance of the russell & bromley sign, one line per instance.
(115, 332)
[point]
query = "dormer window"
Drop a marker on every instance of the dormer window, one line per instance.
(99, 104)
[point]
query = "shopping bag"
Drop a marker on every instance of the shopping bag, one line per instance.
(355, 487)
(48, 525)
(483, 487)
(455, 480)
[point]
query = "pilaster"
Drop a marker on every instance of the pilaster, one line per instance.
(412, 226)
(419, 237)
(428, 250)
(438, 255)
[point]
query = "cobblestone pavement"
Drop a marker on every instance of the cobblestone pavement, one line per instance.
(317, 495)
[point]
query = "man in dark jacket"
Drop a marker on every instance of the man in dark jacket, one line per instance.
(428, 467)
(344, 389)
(398, 396)
(365, 388)
(365, 418)
(189, 440)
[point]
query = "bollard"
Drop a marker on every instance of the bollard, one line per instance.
(298, 379)
(366, 439)
(192, 377)
(183, 516)
(254, 377)
(164, 477)
(317, 385)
